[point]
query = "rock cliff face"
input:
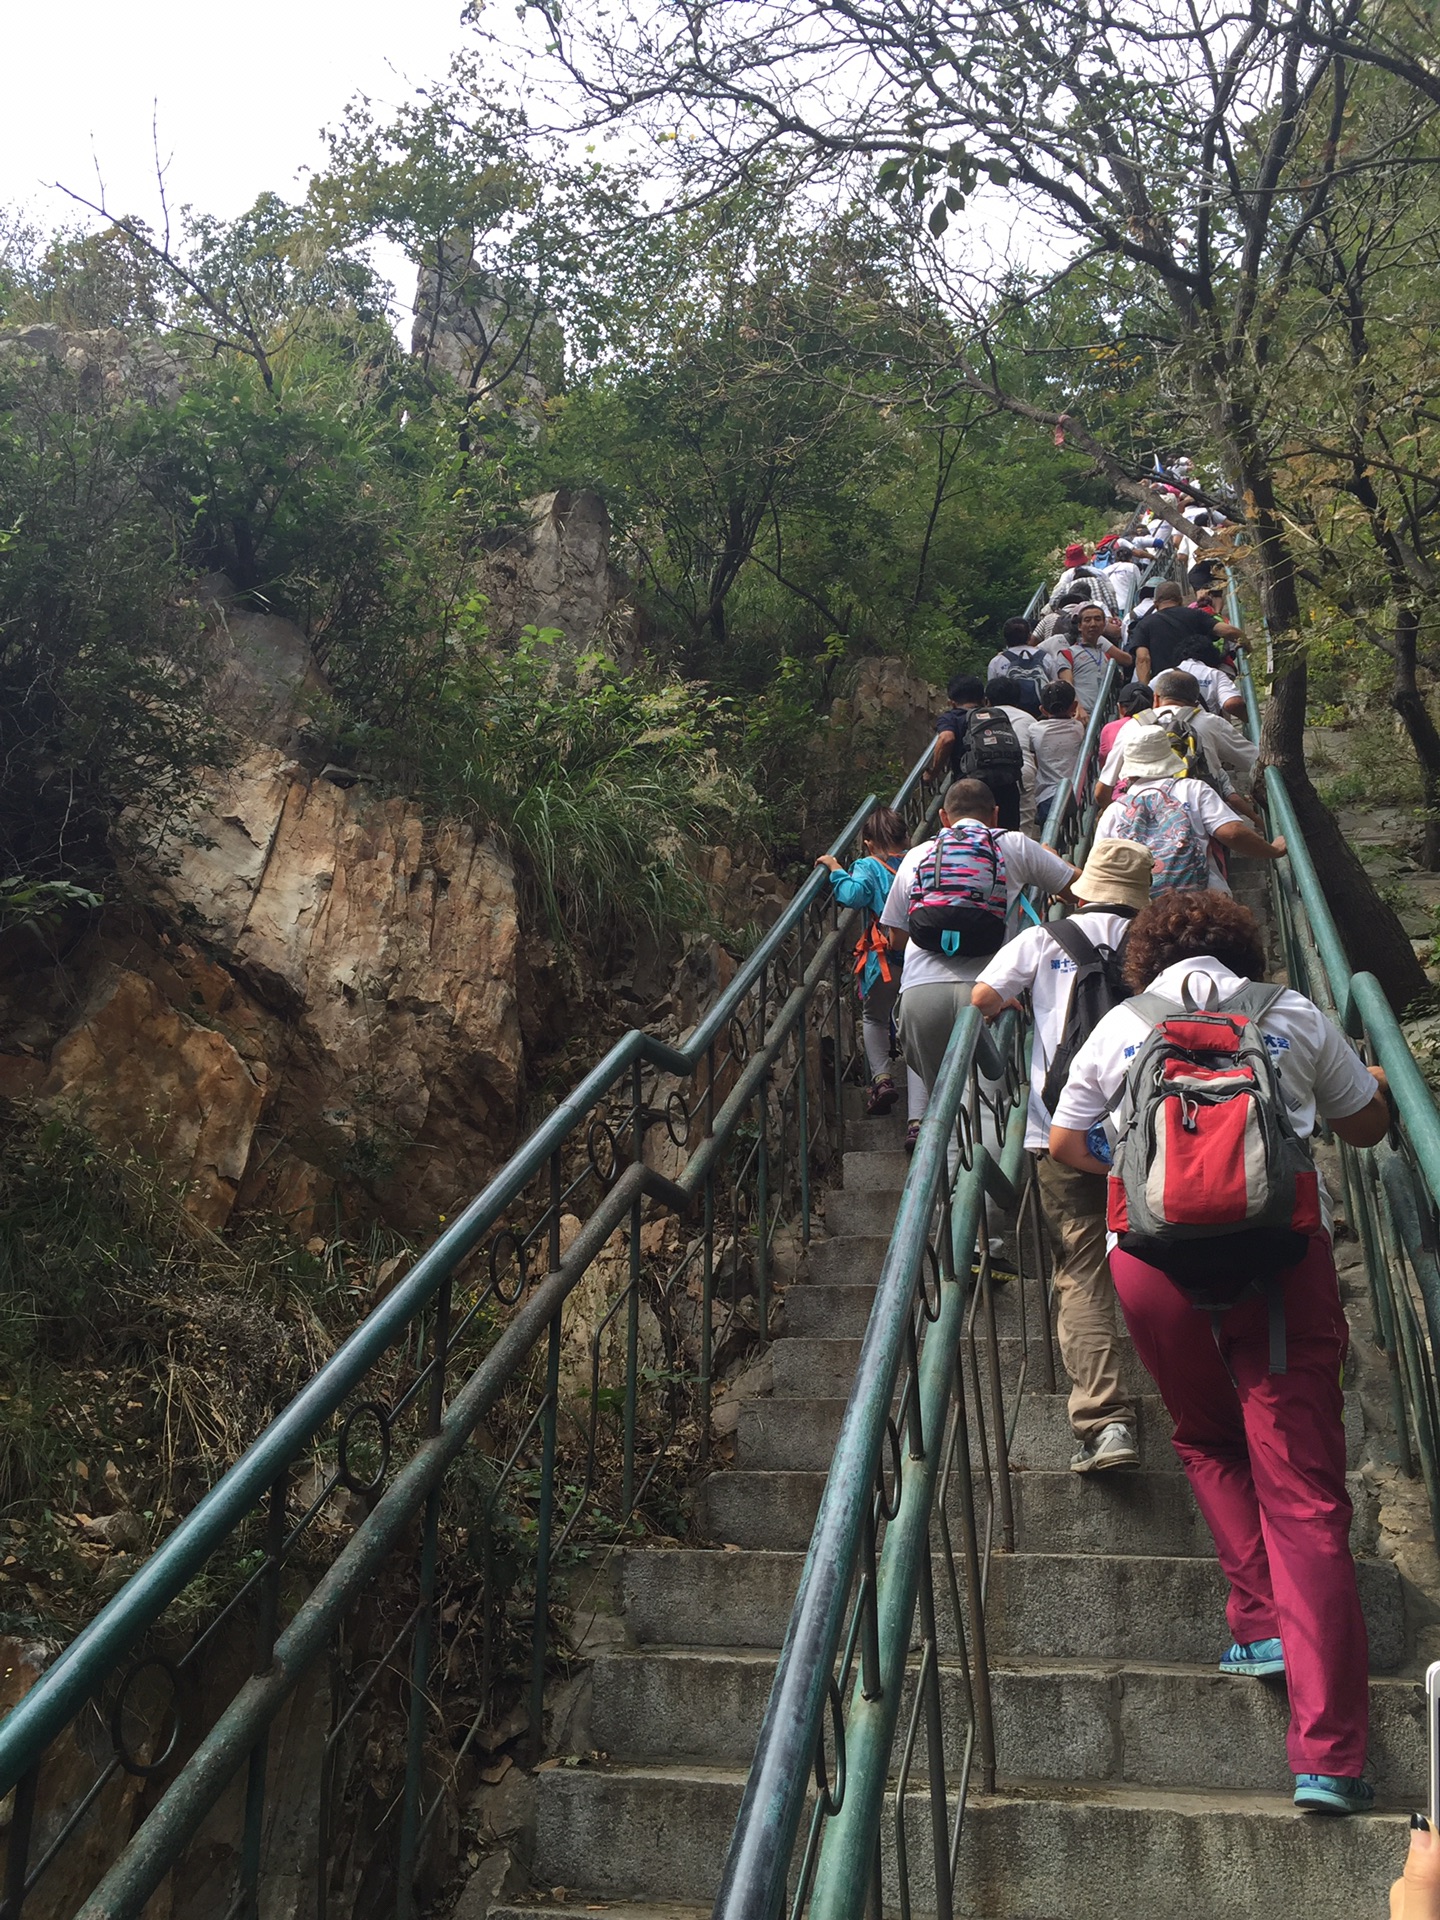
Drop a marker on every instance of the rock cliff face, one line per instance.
(106, 363)
(386, 955)
(323, 1004)
(339, 1017)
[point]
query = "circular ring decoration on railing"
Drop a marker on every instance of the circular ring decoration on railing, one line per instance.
(143, 1769)
(512, 1243)
(380, 1413)
(931, 1262)
(967, 1139)
(739, 1040)
(1011, 1081)
(677, 1119)
(782, 980)
(600, 1134)
(892, 1434)
(831, 1801)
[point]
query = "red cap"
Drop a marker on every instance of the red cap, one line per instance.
(1075, 556)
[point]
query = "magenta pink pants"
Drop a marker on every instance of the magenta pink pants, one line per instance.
(1266, 1460)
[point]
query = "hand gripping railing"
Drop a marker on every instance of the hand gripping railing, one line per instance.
(1392, 1194)
(463, 1441)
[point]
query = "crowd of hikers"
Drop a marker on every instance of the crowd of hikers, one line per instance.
(1173, 1093)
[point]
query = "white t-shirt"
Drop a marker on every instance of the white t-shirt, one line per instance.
(1056, 745)
(1027, 864)
(1032, 962)
(1124, 577)
(1222, 745)
(1087, 669)
(1216, 686)
(1206, 809)
(1319, 1072)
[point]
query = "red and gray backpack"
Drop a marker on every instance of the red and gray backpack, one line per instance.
(1210, 1182)
(958, 898)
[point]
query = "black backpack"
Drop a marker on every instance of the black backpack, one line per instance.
(1098, 986)
(1026, 663)
(992, 750)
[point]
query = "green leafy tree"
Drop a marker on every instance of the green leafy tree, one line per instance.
(104, 719)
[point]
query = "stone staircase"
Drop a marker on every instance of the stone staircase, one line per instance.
(1133, 1776)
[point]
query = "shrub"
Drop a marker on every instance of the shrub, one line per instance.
(600, 781)
(103, 658)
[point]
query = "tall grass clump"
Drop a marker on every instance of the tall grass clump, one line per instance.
(602, 783)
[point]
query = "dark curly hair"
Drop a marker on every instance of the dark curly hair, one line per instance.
(1186, 926)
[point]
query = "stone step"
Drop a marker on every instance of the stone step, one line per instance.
(613, 1909)
(827, 1312)
(787, 1434)
(1132, 1512)
(864, 1210)
(801, 1434)
(877, 1133)
(815, 1369)
(1050, 1606)
(1151, 1725)
(1163, 1853)
(841, 1310)
(872, 1172)
(845, 1260)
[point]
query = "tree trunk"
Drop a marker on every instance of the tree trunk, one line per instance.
(1408, 701)
(1371, 932)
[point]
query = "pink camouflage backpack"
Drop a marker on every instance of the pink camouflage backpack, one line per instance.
(958, 900)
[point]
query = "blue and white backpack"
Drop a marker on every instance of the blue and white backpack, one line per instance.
(1154, 816)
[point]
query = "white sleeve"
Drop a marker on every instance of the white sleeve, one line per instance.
(1105, 825)
(1012, 970)
(1224, 744)
(1342, 1086)
(1114, 760)
(1031, 865)
(1206, 807)
(1094, 1078)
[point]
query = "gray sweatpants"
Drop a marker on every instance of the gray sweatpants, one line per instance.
(927, 1019)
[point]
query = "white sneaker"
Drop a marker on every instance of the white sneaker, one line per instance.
(1113, 1446)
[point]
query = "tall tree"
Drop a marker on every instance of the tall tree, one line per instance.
(1196, 152)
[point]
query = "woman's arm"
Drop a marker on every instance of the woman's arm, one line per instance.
(1369, 1126)
(1245, 841)
(1067, 1145)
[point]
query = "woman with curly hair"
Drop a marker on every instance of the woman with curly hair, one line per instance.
(1264, 1452)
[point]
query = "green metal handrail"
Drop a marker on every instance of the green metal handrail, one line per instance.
(839, 1874)
(764, 1069)
(857, 1601)
(1393, 1195)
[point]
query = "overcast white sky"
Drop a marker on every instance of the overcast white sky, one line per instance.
(240, 92)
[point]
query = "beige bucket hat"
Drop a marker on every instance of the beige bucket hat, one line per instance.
(1117, 874)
